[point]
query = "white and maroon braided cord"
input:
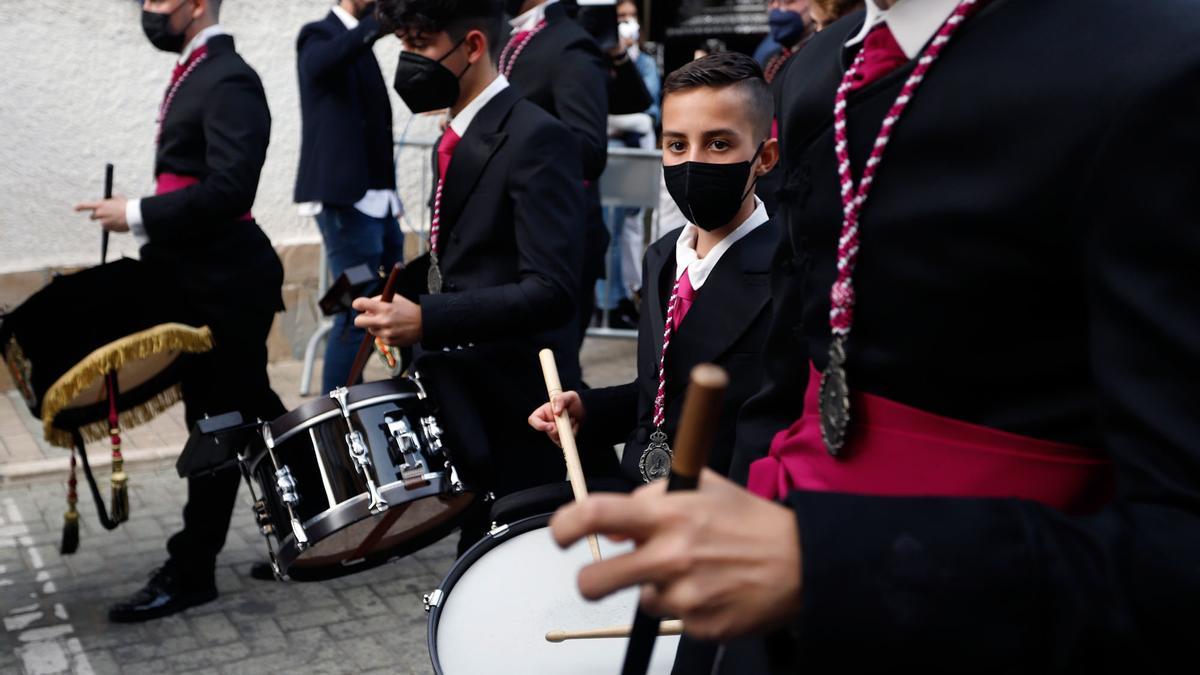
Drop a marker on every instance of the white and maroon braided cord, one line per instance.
(660, 398)
(516, 45)
(841, 312)
(197, 59)
(435, 221)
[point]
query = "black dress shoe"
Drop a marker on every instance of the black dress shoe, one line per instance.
(165, 594)
(262, 571)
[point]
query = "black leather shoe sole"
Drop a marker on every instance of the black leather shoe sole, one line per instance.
(125, 613)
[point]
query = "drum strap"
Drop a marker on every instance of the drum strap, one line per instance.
(101, 509)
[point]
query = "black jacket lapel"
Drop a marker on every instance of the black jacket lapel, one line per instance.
(657, 255)
(483, 138)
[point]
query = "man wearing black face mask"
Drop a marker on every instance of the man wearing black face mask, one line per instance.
(501, 279)
(198, 232)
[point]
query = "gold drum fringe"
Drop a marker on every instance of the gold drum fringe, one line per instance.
(166, 337)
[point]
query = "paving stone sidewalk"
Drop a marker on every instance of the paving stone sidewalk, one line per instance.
(54, 607)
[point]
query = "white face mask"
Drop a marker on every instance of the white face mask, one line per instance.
(629, 30)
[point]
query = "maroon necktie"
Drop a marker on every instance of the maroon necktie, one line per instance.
(881, 55)
(446, 151)
(687, 295)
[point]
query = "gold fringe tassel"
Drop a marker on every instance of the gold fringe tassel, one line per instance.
(167, 337)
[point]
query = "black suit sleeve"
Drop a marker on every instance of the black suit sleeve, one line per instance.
(322, 55)
(237, 129)
(547, 197)
(581, 102)
(1017, 586)
(610, 413)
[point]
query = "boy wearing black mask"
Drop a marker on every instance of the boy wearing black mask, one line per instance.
(198, 232)
(706, 283)
(501, 279)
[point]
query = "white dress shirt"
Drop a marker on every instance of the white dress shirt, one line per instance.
(913, 22)
(133, 207)
(698, 269)
(531, 18)
(375, 203)
(462, 121)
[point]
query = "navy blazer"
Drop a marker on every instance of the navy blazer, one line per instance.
(346, 141)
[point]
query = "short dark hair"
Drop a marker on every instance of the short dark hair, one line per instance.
(455, 17)
(729, 69)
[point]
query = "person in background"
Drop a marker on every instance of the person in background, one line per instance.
(634, 130)
(825, 12)
(347, 175)
(552, 61)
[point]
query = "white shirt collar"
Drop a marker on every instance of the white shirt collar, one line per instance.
(698, 268)
(531, 18)
(200, 40)
(347, 18)
(912, 22)
(462, 121)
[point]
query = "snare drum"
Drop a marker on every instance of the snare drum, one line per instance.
(502, 597)
(354, 480)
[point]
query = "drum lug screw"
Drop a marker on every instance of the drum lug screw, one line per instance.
(431, 600)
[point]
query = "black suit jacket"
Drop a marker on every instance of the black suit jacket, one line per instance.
(562, 70)
(509, 254)
(726, 325)
(1027, 263)
(216, 131)
(346, 143)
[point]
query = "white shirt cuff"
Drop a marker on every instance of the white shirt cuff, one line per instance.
(133, 217)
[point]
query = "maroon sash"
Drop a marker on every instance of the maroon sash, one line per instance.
(896, 450)
(170, 182)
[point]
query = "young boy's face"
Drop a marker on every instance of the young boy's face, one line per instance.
(706, 124)
(435, 46)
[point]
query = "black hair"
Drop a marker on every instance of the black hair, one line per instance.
(455, 17)
(729, 69)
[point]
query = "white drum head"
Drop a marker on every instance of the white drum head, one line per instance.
(495, 616)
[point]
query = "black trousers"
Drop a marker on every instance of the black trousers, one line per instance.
(231, 377)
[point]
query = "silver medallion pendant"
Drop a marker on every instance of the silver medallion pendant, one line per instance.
(434, 278)
(835, 399)
(656, 458)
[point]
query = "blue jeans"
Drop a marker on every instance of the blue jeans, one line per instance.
(353, 238)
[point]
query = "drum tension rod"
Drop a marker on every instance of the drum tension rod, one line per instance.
(359, 453)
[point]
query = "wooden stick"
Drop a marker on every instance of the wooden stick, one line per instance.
(108, 188)
(672, 627)
(693, 440)
(368, 342)
(567, 438)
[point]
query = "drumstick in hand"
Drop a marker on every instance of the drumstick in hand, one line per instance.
(368, 342)
(108, 188)
(672, 627)
(567, 437)
(693, 440)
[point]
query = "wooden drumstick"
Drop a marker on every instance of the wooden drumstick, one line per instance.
(567, 438)
(672, 627)
(693, 440)
(368, 342)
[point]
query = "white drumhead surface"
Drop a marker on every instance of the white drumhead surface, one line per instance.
(495, 618)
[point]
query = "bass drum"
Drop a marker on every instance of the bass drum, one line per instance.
(500, 599)
(355, 480)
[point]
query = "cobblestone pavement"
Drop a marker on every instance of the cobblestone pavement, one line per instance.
(54, 607)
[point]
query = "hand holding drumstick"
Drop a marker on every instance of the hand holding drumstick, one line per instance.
(544, 419)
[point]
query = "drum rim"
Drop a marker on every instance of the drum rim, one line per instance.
(493, 539)
(310, 413)
(354, 510)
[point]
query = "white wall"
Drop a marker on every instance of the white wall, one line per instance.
(80, 86)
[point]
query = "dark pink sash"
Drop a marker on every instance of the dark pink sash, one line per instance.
(896, 450)
(170, 182)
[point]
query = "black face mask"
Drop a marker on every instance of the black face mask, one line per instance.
(158, 30)
(710, 195)
(424, 84)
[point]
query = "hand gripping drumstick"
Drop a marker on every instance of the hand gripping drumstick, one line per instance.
(368, 343)
(567, 437)
(693, 440)
(672, 627)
